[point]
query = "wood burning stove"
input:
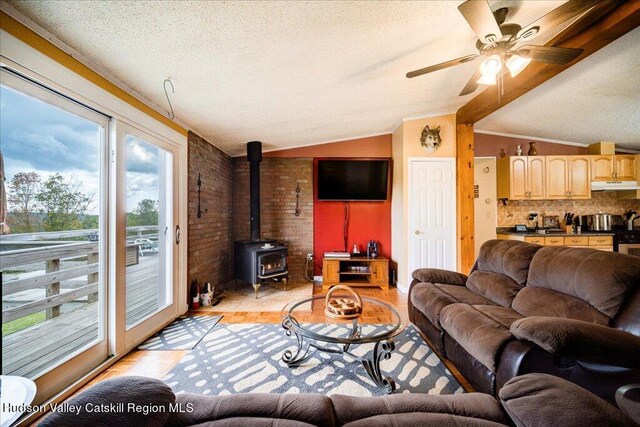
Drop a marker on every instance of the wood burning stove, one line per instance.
(258, 260)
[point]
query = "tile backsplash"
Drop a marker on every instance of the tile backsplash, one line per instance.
(517, 211)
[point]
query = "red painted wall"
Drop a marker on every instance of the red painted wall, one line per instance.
(367, 220)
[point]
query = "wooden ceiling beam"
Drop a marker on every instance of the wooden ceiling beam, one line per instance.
(618, 22)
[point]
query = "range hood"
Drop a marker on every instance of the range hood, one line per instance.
(614, 185)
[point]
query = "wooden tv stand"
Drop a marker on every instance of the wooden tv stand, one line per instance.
(355, 272)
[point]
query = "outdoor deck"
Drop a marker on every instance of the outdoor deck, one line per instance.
(39, 347)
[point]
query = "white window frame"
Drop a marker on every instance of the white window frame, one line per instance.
(39, 67)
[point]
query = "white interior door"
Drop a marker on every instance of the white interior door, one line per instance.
(485, 207)
(432, 220)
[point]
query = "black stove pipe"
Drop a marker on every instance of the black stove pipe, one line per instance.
(254, 157)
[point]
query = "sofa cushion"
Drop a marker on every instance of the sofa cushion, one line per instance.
(602, 279)
(431, 298)
(542, 400)
(498, 288)
(504, 316)
(532, 301)
(478, 333)
(402, 409)
(414, 419)
(296, 409)
(509, 258)
(128, 390)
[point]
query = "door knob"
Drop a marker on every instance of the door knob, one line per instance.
(417, 232)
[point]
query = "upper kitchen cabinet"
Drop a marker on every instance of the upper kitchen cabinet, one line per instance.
(625, 167)
(579, 177)
(521, 177)
(568, 177)
(619, 167)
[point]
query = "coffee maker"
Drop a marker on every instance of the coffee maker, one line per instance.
(372, 249)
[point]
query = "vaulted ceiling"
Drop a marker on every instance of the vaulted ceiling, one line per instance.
(300, 73)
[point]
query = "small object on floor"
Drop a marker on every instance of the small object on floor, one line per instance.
(216, 301)
(343, 308)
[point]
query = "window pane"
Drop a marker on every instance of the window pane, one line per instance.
(149, 229)
(49, 250)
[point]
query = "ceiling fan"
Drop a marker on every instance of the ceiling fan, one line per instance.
(502, 44)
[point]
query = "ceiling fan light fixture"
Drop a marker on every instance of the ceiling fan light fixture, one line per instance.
(487, 79)
(491, 65)
(516, 64)
(489, 69)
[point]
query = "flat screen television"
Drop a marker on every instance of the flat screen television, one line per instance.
(353, 180)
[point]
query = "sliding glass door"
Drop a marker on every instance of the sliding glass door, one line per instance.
(147, 231)
(88, 234)
(53, 252)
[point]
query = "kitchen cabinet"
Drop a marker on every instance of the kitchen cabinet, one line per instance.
(577, 241)
(521, 177)
(619, 167)
(534, 239)
(625, 167)
(567, 177)
(602, 243)
(554, 241)
(579, 177)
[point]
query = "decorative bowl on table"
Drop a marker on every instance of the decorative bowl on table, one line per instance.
(344, 308)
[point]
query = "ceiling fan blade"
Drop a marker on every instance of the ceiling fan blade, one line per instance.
(481, 20)
(551, 55)
(556, 17)
(472, 84)
(442, 65)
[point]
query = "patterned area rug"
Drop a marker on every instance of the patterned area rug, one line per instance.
(241, 358)
(182, 334)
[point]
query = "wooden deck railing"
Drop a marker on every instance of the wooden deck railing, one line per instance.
(52, 255)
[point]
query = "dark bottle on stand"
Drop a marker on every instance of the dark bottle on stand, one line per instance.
(372, 249)
(195, 294)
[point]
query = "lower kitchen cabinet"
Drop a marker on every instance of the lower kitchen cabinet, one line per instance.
(602, 243)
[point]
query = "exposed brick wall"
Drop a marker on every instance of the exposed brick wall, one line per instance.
(278, 180)
(210, 257)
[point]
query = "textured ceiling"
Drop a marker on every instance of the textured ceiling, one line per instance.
(598, 99)
(286, 73)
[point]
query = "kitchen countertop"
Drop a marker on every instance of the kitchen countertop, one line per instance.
(511, 230)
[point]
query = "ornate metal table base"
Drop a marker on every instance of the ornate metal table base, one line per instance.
(305, 350)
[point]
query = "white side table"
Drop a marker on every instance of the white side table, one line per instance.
(14, 391)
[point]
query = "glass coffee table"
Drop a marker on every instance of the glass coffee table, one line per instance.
(379, 323)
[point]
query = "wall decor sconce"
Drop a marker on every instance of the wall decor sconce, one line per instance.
(298, 191)
(200, 211)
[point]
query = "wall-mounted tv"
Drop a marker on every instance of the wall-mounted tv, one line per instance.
(353, 180)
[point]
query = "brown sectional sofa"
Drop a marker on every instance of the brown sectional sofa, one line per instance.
(531, 400)
(569, 312)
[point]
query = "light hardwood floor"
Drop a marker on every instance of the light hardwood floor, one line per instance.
(157, 364)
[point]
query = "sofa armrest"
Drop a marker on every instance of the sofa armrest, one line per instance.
(580, 340)
(541, 399)
(435, 275)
